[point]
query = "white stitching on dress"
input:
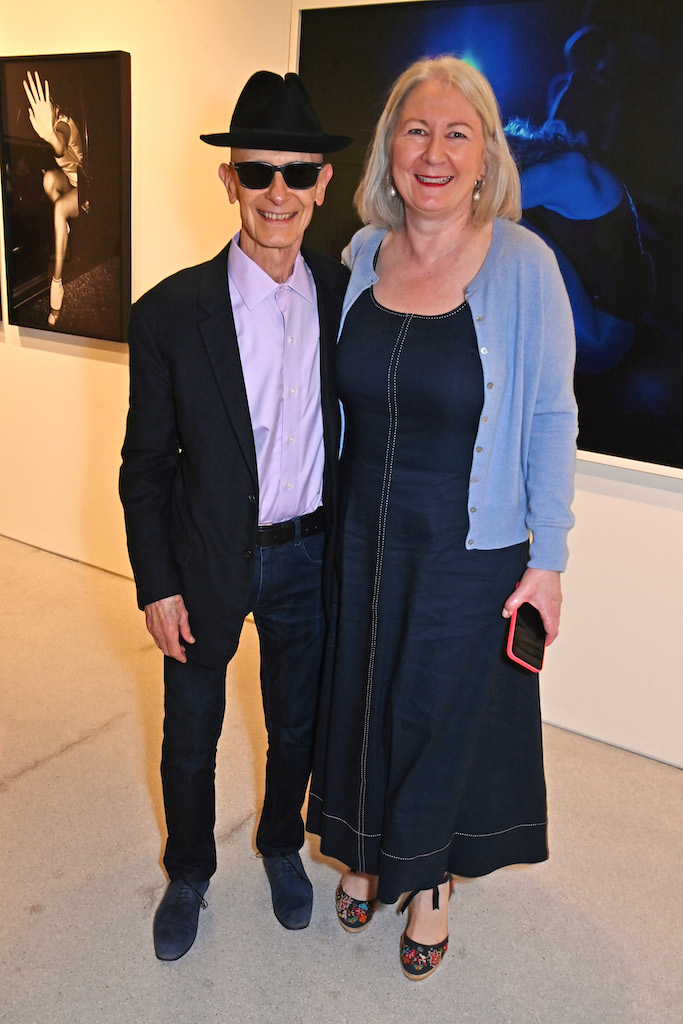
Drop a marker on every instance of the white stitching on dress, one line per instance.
(335, 817)
(469, 835)
(465, 835)
(366, 835)
(417, 316)
(392, 432)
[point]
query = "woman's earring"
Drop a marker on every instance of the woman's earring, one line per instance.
(478, 186)
(392, 189)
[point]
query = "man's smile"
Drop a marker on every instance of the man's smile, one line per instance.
(269, 215)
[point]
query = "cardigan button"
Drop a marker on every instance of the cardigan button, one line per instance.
(247, 553)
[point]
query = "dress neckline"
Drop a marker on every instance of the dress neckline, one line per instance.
(419, 316)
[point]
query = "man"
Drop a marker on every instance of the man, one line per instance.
(227, 482)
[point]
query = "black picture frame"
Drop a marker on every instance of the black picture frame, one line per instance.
(348, 59)
(91, 93)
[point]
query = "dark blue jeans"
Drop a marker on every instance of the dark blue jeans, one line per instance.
(286, 601)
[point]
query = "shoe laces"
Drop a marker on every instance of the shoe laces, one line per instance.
(184, 891)
(289, 868)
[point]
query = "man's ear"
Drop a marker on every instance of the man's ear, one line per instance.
(326, 173)
(225, 173)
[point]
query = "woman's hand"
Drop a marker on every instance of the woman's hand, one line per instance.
(542, 589)
(40, 110)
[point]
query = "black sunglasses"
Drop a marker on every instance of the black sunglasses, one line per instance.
(256, 174)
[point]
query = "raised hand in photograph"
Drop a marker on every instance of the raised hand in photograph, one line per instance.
(41, 113)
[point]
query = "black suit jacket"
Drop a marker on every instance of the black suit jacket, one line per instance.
(188, 481)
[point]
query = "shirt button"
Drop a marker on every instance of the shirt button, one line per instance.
(474, 480)
(489, 385)
(289, 485)
(292, 390)
(470, 543)
(484, 419)
(247, 553)
(290, 340)
(291, 439)
(479, 448)
(479, 317)
(484, 351)
(473, 509)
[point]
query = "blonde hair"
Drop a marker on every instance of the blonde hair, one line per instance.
(501, 193)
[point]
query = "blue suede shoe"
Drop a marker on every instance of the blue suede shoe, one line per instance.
(175, 922)
(291, 890)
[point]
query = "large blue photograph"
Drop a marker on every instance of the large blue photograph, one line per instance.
(591, 96)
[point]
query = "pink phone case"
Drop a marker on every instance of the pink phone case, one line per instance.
(521, 642)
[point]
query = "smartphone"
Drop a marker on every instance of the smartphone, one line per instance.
(526, 637)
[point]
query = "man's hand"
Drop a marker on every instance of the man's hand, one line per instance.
(542, 589)
(167, 620)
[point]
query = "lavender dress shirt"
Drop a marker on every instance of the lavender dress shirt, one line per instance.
(278, 336)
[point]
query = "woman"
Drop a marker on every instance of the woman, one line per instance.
(61, 182)
(455, 372)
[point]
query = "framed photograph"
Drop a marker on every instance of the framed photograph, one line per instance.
(591, 85)
(65, 140)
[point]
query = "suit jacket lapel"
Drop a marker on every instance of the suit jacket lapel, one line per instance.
(329, 322)
(219, 336)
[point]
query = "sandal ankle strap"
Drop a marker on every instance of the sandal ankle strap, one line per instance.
(435, 895)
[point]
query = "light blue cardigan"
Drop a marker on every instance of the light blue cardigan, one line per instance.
(522, 478)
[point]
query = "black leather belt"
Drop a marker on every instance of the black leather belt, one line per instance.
(280, 533)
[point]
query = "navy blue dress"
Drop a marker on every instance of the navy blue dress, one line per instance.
(428, 756)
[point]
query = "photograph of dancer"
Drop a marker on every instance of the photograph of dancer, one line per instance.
(65, 141)
(60, 183)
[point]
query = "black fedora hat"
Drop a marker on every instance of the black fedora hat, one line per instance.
(276, 113)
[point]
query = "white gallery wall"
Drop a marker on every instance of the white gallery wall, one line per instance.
(62, 399)
(615, 671)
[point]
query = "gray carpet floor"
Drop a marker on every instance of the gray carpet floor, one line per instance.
(594, 935)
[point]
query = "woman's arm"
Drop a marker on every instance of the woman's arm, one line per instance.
(551, 452)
